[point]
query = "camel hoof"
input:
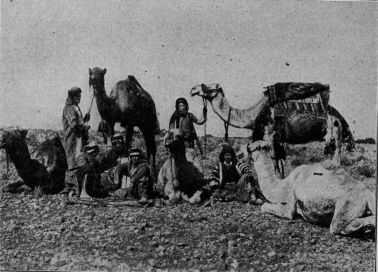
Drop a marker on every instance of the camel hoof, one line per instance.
(85, 197)
(264, 208)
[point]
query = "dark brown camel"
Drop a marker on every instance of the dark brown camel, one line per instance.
(46, 171)
(130, 105)
(179, 178)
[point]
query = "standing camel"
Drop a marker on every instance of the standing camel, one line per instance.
(294, 129)
(314, 193)
(130, 105)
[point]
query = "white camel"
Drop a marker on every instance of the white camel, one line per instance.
(316, 194)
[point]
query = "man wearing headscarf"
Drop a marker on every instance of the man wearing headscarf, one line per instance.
(183, 119)
(101, 172)
(74, 127)
(232, 179)
(138, 171)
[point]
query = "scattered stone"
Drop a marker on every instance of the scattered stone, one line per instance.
(271, 254)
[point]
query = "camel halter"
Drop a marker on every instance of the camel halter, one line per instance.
(91, 104)
(204, 101)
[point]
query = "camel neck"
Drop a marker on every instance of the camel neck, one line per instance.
(240, 118)
(268, 181)
(102, 100)
(180, 157)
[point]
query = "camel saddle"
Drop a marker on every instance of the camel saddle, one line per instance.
(299, 97)
(300, 109)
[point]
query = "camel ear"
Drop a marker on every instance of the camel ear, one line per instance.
(90, 71)
(104, 71)
(24, 132)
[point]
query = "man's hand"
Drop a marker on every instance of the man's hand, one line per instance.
(87, 117)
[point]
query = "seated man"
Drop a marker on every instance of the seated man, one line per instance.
(231, 179)
(97, 174)
(138, 171)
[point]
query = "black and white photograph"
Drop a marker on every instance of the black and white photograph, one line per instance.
(199, 135)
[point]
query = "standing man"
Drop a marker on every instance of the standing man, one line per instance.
(75, 131)
(183, 120)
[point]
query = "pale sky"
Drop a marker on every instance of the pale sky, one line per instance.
(47, 47)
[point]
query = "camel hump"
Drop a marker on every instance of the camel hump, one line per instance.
(134, 81)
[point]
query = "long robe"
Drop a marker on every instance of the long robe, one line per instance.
(74, 132)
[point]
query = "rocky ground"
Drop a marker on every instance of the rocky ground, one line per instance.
(47, 233)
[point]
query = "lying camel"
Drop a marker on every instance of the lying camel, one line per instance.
(179, 178)
(46, 171)
(316, 194)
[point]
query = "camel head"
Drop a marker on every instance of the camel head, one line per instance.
(97, 78)
(255, 149)
(207, 91)
(13, 138)
(171, 135)
(172, 141)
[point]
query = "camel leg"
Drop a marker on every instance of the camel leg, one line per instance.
(110, 132)
(16, 187)
(129, 136)
(336, 156)
(173, 196)
(281, 168)
(196, 198)
(84, 193)
(348, 213)
(149, 139)
(365, 222)
(356, 224)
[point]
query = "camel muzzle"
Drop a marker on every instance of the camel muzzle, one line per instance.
(194, 92)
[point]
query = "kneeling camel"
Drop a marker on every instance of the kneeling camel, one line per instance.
(316, 194)
(46, 170)
(179, 178)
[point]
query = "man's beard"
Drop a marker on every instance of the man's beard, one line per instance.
(183, 112)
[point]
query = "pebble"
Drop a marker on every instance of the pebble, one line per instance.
(54, 260)
(231, 243)
(271, 254)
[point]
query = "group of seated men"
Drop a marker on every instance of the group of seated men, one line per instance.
(97, 174)
(101, 174)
